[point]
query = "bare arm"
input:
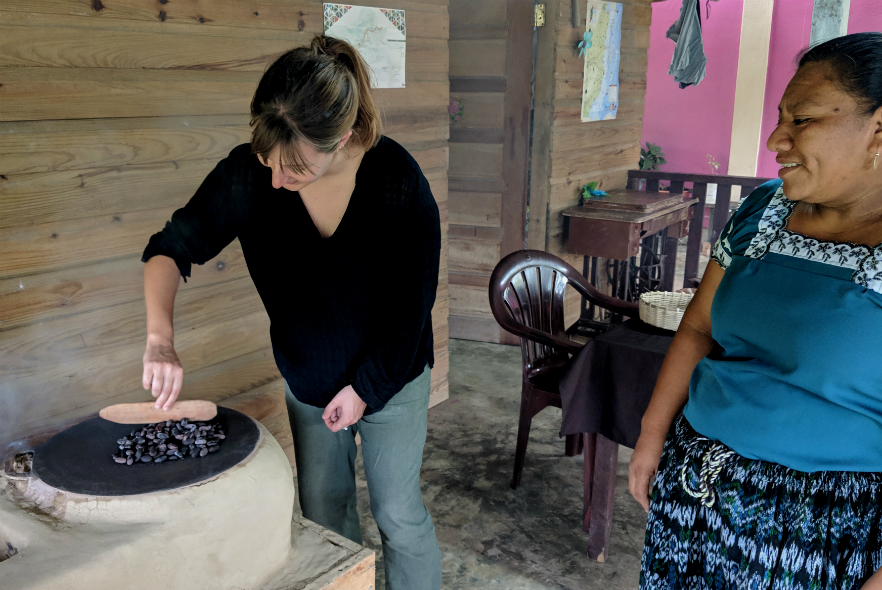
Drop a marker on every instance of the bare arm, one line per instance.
(163, 373)
(692, 343)
(875, 582)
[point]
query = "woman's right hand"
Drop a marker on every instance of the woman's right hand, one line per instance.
(163, 372)
(644, 465)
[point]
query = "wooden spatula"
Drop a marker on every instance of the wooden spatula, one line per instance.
(146, 412)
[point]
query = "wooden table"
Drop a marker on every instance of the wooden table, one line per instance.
(616, 226)
(604, 394)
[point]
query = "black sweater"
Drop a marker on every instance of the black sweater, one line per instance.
(351, 309)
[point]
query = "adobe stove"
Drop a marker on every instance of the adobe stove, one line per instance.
(71, 518)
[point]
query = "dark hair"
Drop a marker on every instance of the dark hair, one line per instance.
(856, 63)
(314, 94)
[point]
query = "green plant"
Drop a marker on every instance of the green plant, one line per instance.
(714, 165)
(590, 190)
(652, 157)
(454, 109)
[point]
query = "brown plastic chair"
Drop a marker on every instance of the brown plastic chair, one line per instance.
(527, 299)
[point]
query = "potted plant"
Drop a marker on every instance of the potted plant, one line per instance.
(650, 159)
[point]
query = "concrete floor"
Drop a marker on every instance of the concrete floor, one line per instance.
(490, 535)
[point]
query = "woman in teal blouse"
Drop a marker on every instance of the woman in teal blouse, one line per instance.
(772, 476)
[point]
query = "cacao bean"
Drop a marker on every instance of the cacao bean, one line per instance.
(152, 443)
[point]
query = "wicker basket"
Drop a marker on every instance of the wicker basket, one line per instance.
(664, 309)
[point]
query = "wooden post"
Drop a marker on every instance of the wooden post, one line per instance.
(601, 458)
(721, 209)
(669, 263)
(693, 245)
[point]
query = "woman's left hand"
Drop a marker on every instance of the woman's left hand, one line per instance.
(344, 410)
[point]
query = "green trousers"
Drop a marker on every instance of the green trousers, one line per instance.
(392, 443)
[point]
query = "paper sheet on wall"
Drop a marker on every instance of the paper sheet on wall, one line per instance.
(379, 34)
(600, 87)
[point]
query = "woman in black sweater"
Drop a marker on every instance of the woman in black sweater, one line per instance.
(342, 239)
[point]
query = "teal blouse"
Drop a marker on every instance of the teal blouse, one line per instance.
(796, 378)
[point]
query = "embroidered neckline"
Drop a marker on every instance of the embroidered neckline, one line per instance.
(772, 236)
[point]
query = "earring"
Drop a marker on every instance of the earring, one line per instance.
(876, 161)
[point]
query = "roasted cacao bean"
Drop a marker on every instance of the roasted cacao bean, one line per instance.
(152, 443)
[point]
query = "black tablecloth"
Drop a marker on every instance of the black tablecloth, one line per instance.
(607, 386)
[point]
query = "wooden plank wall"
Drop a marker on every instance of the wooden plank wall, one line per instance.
(568, 153)
(111, 114)
(490, 67)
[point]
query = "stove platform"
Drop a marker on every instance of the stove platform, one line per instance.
(323, 560)
(233, 531)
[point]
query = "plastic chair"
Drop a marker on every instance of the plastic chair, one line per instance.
(527, 299)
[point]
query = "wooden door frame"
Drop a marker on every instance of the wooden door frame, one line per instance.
(516, 124)
(513, 135)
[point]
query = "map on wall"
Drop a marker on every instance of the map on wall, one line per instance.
(379, 34)
(603, 36)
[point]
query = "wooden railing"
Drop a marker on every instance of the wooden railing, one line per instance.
(697, 185)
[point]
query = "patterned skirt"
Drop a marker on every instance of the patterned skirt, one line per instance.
(720, 521)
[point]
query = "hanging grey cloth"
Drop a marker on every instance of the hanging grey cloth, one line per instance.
(689, 64)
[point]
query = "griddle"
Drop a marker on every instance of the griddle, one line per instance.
(78, 460)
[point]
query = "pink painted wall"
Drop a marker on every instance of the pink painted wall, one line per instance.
(791, 33)
(695, 121)
(865, 16)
